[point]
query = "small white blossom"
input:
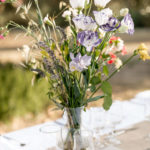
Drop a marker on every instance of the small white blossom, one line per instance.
(101, 3)
(61, 4)
(66, 14)
(120, 45)
(118, 63)
(78, 4)
(102, 17)
(117, 46)
(124, 11)
(25, 53)
(75, 12)
(47, 20)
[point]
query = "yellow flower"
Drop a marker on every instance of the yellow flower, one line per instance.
(143, 52)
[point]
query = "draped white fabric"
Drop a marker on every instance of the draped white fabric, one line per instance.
(122, 115)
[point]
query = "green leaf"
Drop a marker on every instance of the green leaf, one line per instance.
(74, 31)
(106, 88)
(97, 53)
(94, 99)
(92, 88)
(76, 90)
(96, 80)
(86, 75)
(105, 70)
(107, 102)
(87, 6)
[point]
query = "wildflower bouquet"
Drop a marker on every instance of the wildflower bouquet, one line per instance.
(76, 61)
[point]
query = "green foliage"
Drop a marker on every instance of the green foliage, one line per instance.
(96, 80)
(93, 99)
(105, 70)
(107, 89)
(18, 96)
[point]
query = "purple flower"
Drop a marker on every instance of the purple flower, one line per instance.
(112, 25)
(84, 22)
(128, 23)
(79, 63)
(88, 39)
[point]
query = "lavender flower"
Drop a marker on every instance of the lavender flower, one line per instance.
(102, 17)
(84, 22)
(127, 25)
(88, 39)
(112, 25)
(79, 63)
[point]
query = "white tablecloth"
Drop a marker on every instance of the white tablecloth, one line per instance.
(121, 115)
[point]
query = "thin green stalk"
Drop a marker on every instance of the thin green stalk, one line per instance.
(90, 7)
(41, 19)
(129, 59)
(11, 23)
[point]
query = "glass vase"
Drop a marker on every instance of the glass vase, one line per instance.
(72, 136)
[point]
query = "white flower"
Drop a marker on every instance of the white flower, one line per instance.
(120, 45)
(84, 22)
(124, 11)
(127, 25)
(79, 63)
(78, 3)
(102, 17)
(89, 39)
(75, 12)
(101, 3)
(25, 52)
(66, 14)
(118, 63)
(46, 20)
(61, 4)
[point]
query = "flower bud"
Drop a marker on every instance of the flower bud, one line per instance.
(66, 14)
(124, 11)
(78, 4)
(101, 3)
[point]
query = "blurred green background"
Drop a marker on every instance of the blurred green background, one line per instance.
(17, 96)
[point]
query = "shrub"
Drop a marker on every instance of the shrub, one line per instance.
(18, 96)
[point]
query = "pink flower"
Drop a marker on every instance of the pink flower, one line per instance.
(113, 38)
(111, 61)
(124, 51)
(1, 37)
(2, 0)
(113, 58)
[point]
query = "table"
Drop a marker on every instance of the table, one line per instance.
(121, 116)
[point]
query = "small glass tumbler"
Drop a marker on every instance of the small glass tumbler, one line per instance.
(51, 132)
